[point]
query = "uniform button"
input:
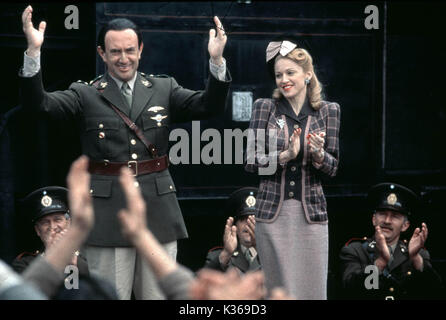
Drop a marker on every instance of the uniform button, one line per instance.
(91, 190)
(159, 124)
(291, 194)
(101, 126)
(409, 273)
(171, 187)
(136, 184)
(134, 156)
(133, 141)
(101, 135)
(293, 168)
(296, 126)
(391, 289)
(292, 183)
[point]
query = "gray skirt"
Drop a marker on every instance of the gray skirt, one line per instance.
(294, 253)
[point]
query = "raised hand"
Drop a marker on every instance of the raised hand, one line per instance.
(417, 241)
(217, 42)
(133, 218)
(381, 244)
(230, 236)
(294, 145)
(34, 36)
(251, 226)
(316, 143)
(81, 204)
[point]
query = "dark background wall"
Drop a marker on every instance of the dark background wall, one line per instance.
(388, 82)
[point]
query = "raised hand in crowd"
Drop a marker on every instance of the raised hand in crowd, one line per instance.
(34, 36)
(416, 243)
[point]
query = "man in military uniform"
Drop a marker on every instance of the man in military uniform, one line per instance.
(239, 249)
(383, 266)
(50, 216)
(124, 117)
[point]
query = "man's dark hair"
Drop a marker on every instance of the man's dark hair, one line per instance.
(118, 25)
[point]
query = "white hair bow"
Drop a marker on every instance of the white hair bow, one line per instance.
(282, 47)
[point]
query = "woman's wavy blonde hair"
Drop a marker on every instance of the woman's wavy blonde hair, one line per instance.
(314, 88)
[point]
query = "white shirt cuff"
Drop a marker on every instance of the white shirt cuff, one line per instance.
(31, 65)
(218, 72)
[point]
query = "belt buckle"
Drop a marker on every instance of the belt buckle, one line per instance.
(135, 170)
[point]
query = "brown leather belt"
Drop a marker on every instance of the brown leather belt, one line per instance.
(138, 167)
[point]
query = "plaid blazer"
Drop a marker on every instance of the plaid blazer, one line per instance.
(263, 152)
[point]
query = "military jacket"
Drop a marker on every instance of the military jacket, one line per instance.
(157, 102)
(238, 260)
(399, 280)
(22, 261)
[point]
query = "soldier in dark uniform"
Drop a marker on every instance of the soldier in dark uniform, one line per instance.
(384, 266)
(239, 248)
(50, 215)
(124, 118)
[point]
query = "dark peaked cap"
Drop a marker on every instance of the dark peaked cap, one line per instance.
(46, 200)
(392, 196)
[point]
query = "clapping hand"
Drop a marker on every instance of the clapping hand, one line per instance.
(417, 241)
(316, 143)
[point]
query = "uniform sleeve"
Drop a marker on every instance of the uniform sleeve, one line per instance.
(175, 285)
(353, 273)
(187, 105)
(44, 276)
(60, 105)
(261, 154)
(330, 164)
(213, 262)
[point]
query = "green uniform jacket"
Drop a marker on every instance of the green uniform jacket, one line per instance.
(238, 260)
(105, 136)
(399, 280)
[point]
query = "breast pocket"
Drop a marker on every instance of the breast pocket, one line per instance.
(101, 135)
(155, 126)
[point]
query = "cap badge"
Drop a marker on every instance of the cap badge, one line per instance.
(46, 201)
(250, 201)
(103, 84)
(392, 199)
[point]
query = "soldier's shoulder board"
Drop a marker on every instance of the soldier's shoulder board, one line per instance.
(154, 75)
(82, 82)
(95, 80)
(215, 248)
(355, 239)
(26, 254)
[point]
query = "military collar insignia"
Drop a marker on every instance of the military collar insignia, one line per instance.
(146, 83)
(155, 109)
(103, 84)
(372, 244)
(392, 199)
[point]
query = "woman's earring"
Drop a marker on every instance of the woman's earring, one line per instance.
(307, 81)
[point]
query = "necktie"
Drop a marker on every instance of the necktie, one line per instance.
(391, 256)
(251, 255)
(127, 93)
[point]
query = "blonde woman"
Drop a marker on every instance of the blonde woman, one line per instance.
(292, 220)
